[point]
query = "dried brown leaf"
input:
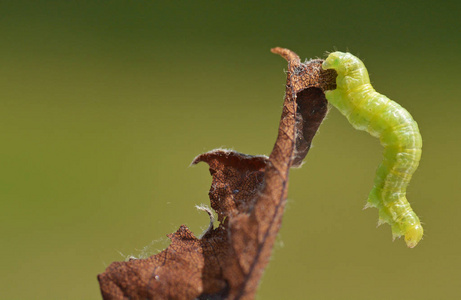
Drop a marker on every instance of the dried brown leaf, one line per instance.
(249, 195)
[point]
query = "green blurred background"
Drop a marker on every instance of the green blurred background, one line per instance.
(105, 103)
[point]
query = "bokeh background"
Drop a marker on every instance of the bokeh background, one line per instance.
(104, 104)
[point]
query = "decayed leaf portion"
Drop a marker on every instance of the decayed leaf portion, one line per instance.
(236, 180)
(249, 195)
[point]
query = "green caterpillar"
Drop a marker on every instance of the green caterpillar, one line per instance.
(381, 117)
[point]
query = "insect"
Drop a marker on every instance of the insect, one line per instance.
(381, 117)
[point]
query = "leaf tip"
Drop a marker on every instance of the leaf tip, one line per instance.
(289, 55)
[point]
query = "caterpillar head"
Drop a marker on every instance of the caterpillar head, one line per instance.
(342, 62)
(334, 61)
(351, 70)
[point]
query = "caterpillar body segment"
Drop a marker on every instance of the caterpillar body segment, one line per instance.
(376, 114)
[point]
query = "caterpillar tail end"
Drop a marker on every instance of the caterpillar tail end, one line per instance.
(413, 235)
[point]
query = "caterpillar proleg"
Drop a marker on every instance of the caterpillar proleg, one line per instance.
(376, 114)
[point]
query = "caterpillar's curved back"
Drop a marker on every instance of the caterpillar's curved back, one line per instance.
(370, 111)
